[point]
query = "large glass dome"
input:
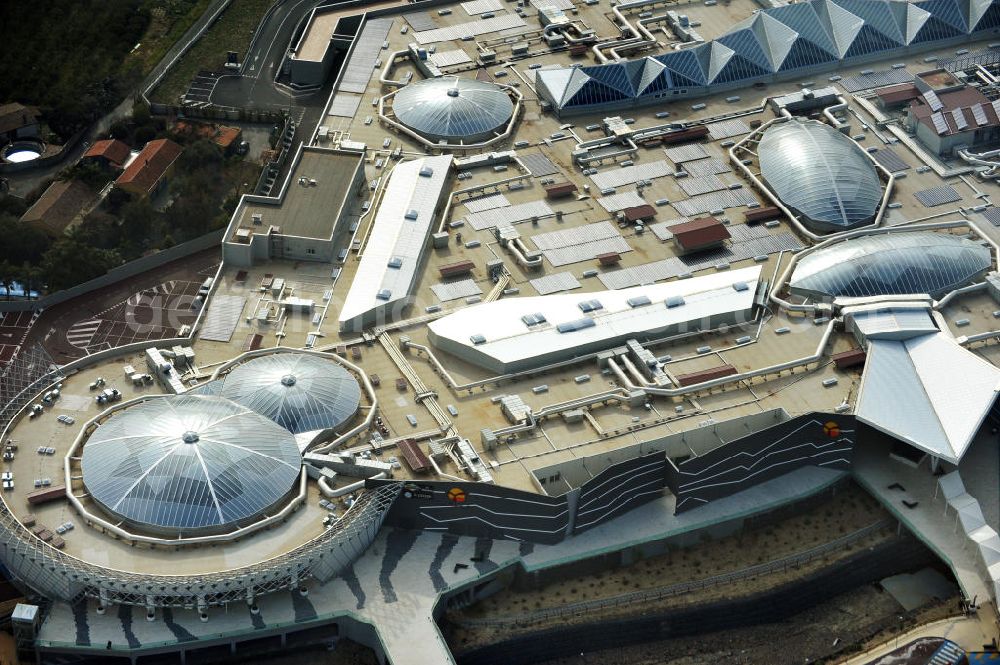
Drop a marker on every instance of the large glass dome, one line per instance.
(185, 464)
(891, 264)
(299, 391)
(450, 108)
(820, 174)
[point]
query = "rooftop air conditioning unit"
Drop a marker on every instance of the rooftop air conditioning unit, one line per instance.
(257, 218)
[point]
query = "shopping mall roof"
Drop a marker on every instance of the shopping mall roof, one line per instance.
(513, 334)
(919, 262)
(185, 464)
(821, 174)
(387, 271)
(927, 391)
(959, 111)
(300, 392)
(452, 108)
(699, 233)
(310, 203)
(773, 41)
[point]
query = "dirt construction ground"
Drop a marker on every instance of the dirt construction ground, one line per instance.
(855, 617)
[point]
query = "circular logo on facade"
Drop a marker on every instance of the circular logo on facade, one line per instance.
(456, 495)
(831, 429)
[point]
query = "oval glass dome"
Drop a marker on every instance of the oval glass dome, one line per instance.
(891, 264)
(820, 174)
(186, 464)
(450, 108)
(299, 391)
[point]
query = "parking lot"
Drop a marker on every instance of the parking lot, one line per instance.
(14, 327)
(154, 313)
(200, 89)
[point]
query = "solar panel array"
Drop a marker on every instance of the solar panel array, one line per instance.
(222, 317)
(740, 251)
(367, 47)
(486, 203)
(890, 160)
(724, 129)
(456, 290)
(646, 273)
(986, 56)
(471, 28)
(655, 271)
(979, 113)
(703, 185)
(662, 229)
(742, 232)
(582, 243)
(959, 116)
(449, 58)
(704, 167)
(564, 5)
(538, 164)
(508, 216)
(876, 80)
(560, 281)
(727, 198)
(481, 6)
(992, 216)
(940, 124)
(628, 175)
(932, 100)
(620, 201)
(420, 20)
(936, 196)
(344, 106)
(686, 153)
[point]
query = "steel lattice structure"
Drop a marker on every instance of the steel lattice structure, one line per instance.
(59, 575)
(27, 373)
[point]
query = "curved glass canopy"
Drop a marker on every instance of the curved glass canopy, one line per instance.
(450, 108)
(187, 464)
(300, 392)
(821, 174)
(891, 264)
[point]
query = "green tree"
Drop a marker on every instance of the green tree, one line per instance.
(20, 241)
(6, 277)
(71, 261)
(138, 220)
(31, 278)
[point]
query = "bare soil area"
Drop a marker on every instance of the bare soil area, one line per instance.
(848, 510)
(827, 633)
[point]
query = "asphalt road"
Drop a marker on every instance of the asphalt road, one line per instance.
(255, 88)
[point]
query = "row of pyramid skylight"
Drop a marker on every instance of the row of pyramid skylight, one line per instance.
(775, 40)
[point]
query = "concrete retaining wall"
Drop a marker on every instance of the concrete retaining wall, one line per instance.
(126, 271)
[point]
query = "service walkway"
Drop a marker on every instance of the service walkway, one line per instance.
(892, 482)
(395, 585)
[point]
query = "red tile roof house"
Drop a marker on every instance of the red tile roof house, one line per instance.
(149, 171)
(57, 208)
(17, 121)
(109, 153)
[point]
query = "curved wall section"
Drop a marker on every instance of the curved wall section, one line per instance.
(60, 576)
